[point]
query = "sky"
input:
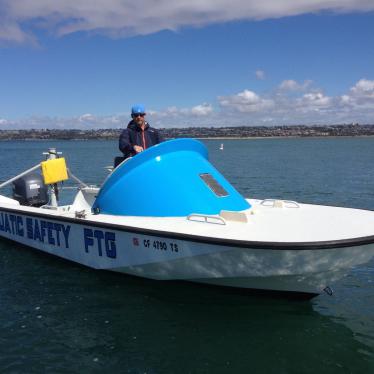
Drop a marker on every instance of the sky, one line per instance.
(83, 63)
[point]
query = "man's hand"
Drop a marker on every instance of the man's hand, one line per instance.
(138, 148)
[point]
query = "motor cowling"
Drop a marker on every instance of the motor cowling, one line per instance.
(30, 190)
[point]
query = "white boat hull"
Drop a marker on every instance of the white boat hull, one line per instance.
(303, 271)
(172, 256)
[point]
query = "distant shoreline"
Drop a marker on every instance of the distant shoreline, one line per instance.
(287, 137)
(208, 133)
(197, 138)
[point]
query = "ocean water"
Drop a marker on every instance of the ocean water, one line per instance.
(59, 317)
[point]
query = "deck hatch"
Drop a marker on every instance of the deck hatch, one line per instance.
(213, 185)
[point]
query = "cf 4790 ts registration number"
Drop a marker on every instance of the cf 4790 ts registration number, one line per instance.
(156, 244)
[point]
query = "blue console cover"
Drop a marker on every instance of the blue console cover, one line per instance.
(171, 179)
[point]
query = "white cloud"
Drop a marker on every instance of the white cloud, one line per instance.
(289, 85)
(345, 100)
(170, 111)
(85, 121)
(245, 108)
(292, 85)
(364, 88)
(360, 97)
(314, 101)
(202, 110)
(260, 74)
(12, 32)
(246, 101)
(118, 18)
(199, 115)
(87, 118)
(292, 105)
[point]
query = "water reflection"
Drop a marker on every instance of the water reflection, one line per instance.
(58, 315)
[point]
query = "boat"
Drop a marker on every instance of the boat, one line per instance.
(168, 214)
(221, 147)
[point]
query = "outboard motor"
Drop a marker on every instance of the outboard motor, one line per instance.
(30, 190)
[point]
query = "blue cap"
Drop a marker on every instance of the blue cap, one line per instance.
(138, 108)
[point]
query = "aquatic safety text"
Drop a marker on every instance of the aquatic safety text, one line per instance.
(56, 234)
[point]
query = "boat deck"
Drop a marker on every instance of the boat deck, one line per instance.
(272, 221)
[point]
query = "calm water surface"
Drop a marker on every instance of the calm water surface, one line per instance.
(56, 316)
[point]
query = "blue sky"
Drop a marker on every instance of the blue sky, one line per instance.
(206, 63)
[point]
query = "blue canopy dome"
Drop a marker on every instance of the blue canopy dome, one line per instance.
(170, 179)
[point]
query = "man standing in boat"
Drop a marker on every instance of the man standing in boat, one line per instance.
(138, 136)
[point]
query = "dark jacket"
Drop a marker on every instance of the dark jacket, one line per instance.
(134, 135)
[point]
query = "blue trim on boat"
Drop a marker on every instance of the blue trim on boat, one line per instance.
(294, 246)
